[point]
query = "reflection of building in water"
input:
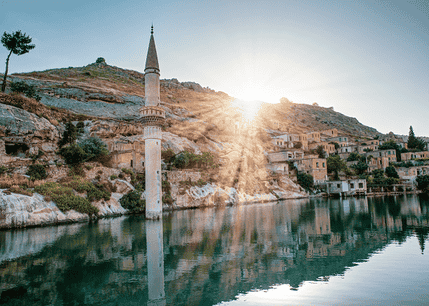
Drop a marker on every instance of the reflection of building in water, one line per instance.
(155, 262)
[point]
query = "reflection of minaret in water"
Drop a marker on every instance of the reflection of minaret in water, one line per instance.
(155, 262)
(152, 116)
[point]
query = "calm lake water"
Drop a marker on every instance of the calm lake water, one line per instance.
(363, 251)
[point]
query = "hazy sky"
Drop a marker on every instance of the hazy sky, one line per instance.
(367, 59)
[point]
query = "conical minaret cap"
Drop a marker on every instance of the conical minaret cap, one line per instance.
(152, 57)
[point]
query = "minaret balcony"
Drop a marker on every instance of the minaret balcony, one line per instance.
(152, 115)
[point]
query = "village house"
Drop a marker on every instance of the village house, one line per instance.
(127, 154)
(347, 187)
(329, 148)
(414, 155)
(410, 174)
(313, 165)
(380, 159)
(313, 136)
(330, 133)
(282, 142)
(284, 156)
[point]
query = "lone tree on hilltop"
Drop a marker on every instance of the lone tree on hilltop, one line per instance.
(414, 142)
(17, 43)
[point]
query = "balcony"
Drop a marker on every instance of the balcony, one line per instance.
(152, 115)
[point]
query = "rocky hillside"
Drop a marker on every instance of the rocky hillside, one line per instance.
(110, 92)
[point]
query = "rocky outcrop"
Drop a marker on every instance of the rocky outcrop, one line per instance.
(17, 210)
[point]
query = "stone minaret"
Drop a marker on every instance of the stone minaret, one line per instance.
(152, 116)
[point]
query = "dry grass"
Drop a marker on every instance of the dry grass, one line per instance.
(16, 180)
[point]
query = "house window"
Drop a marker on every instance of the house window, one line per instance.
(352, 186)
(338, 185)
(131, 163)
(360, 185)
(317, 164)
(323, 165)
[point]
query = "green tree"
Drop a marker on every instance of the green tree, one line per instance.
(360, 167)
(415, 143)
(93, 147)
(17, 43)
(354, 157)
(305, 180)
(321, 152)
(73, 154)
(422, 182)
(391, 172)
(70, 134)
(335, 164)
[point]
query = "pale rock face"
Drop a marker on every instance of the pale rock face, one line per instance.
(18, 210)
(21, 122)
(111, 207)
(122, 186)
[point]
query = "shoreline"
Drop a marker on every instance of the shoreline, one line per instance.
(73, 217)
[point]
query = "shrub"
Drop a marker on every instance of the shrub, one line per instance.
(168, 155)
(70, 134)
(65, 198)
(113, 177)
(132, 201)
(181, 160)
(391, 172)
(422, 182)
(93, 147)
(27, 90)
(73, 154)
(3, 169)
(100, 60)
(127, 171)
(305, 180)
(36, 172)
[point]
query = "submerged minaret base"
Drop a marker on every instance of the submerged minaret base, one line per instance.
(152, 116)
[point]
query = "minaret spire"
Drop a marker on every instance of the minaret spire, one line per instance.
(152, 57)
(152, 116)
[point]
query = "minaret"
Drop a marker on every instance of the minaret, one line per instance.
(152, 116)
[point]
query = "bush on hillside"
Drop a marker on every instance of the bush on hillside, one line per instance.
(73, 154)
(65, 198)
(94, 147)
(36, 172)
(28, 90)
(305, 180)
(132, 201)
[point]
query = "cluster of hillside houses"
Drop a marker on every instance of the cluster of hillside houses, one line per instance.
(298, 150)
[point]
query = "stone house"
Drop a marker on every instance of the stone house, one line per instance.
(284, 156)
(380, 159)
(346, 187)
(313, 165)
(330, 133)
(411, 173)
(127, 154)
(328, 147)
(414, 155)
(313, 136)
